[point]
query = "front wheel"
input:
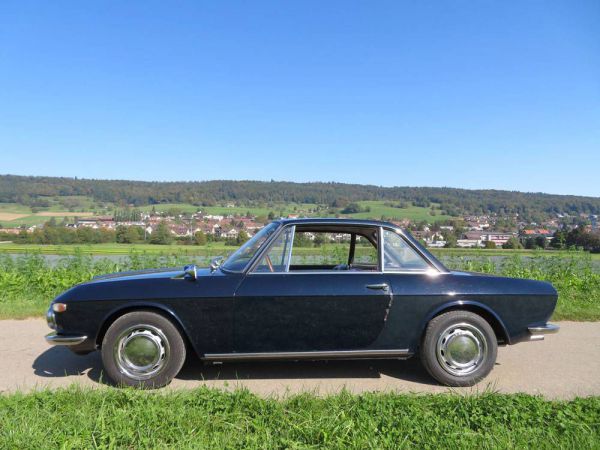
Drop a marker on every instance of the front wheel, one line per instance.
(459, 348)
(142, 349)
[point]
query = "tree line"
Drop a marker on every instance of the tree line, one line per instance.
(57, 234)
(32, 191)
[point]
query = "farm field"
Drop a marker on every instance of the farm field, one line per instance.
(379, 209)
(210, 418)
(15, 215)
(279, 209)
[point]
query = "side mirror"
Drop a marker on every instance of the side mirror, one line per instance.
(216, 262)
(189, 272)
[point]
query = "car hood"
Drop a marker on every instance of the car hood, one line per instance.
(171, 272)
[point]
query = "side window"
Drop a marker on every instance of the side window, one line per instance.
(399, 256)
(326, 250)
(277, 257)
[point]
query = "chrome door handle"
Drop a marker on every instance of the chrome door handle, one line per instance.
(380, 286)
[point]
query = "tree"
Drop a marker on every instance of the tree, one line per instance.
(512, 243)
(200, 237)
(161, 235)
(451, 241)
(241, 237)
(489, 244)
(541, 242)
(121, 234)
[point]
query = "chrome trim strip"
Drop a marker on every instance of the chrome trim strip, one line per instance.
(348, 272)
(64, 339)
(549, 328)
(289, 257)
(380, 251)
(340, 354)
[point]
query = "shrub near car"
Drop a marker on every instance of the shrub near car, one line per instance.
(377, 294)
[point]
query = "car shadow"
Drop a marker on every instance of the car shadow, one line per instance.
(408, 370)
(61, 362)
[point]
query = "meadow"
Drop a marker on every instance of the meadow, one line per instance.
(28, 282)
(208, 418)
(15, 215)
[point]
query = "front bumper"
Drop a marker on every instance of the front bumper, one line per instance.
(64, 339)
(538, 332)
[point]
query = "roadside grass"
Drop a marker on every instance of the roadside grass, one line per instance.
(207, 418)
(29, 282)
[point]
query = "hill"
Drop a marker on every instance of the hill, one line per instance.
(43, 192)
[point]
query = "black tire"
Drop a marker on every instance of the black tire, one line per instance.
(459, 348)
(141, 337)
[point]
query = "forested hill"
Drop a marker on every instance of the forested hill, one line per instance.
(28, 190)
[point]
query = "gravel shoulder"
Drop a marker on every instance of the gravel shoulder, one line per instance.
(563, 366)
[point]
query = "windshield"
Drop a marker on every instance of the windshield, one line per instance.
(242, 256)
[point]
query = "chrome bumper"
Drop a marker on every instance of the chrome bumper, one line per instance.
(539, 331)
(64, 339)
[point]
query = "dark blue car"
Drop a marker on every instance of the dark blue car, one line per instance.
(304, 289)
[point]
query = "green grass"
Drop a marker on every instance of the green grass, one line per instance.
(14, 208)
(208, 418)
(378, 209)
(55, 207)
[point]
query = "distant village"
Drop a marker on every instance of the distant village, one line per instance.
(483, 231)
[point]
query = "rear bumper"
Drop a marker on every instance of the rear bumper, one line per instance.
(538, 332)
(65, 339)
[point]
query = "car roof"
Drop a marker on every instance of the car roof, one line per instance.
(336, 221)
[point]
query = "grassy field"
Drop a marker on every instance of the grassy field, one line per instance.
(15, 215)
(205, 418)
(278, 209)
(379, 209)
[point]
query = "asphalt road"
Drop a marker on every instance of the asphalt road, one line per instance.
(563, 366)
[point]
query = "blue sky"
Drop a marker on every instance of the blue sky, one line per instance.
(486, 94)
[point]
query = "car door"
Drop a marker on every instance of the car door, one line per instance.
(302, 311)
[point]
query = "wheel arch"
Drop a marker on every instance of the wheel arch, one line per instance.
(149, 307)
(475, 307)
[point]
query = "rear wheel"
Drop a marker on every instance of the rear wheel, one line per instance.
(142, 349)
(459, 348)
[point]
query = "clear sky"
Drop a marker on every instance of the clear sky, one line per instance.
(473, 94)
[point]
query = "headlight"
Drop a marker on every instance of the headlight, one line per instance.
(51, 319)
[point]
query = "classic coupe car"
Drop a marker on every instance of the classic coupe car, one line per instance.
(304, 289)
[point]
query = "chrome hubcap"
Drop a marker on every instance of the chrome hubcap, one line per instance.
(461, 349)
(141, 352)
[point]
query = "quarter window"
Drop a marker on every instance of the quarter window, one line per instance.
(276, 259)
(399, 256)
